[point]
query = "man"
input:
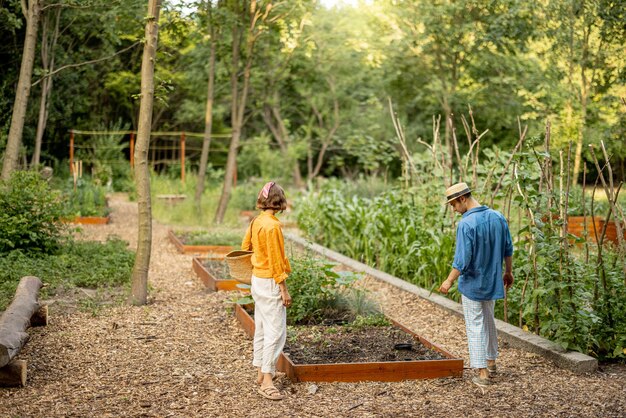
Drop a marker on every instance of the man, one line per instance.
(483, 242)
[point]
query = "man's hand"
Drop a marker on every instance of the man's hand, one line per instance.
(508, 279)
(445, 286)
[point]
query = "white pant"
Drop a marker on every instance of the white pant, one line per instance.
(270, 321)
(480, 326)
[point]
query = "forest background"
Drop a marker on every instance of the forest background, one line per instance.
(320, 78)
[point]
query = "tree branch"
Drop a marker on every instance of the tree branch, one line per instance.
(84, 63)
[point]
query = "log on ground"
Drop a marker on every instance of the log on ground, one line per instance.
(17, 318)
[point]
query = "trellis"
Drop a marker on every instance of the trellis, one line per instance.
(165, 147)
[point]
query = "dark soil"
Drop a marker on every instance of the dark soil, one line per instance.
(318, 344)
(218, 268)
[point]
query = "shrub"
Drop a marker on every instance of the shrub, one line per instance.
(30, 214)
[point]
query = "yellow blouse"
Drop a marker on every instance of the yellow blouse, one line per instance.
(267, 242)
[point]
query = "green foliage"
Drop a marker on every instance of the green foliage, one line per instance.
(211, 237)
(574, 301)
(317, 290)
(84, 264)
(30, 214)
(375, 320)
(389, 231)
(89, 198)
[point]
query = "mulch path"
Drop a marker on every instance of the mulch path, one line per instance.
(184, 355)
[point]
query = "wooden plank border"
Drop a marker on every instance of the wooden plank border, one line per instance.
(91, 220)
(384, 371)
(210, 281)
(217, 250)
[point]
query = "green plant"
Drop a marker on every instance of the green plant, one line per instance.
(318, 291)
(212, 237)
(81, 263)
(30, 214)
(87, 199)
(372, 320)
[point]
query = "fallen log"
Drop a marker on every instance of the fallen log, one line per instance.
(17, 318)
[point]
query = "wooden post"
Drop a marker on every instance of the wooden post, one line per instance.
(182, 156)
(71, 152)
(132, 150)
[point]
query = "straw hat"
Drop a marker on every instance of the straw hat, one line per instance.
(457, 190)
(240, 265)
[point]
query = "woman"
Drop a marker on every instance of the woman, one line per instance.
(270, 268)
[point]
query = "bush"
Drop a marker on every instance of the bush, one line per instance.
(30, 214)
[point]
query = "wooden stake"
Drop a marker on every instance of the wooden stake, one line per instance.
(182, 157)
(132, 150)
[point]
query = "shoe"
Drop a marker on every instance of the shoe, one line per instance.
(492, 370)
(477, 380)
(271, 393)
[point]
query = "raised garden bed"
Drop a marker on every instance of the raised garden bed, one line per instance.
(91, 220)
(423, 361)
(215, 250)
(213, 272)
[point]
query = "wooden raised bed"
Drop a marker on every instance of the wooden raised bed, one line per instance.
(91, 220)
(384, 371)
(209, 279)
(576, 226)
(611, 232)
(216, 250)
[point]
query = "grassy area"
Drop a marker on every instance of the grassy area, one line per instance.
(76, 264)
(186, 213)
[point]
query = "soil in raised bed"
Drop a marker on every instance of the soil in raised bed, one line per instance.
(319, 344)
(218, 268)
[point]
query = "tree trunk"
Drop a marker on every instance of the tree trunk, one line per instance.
(238, 107)
(274, 122)
(139, 285)
(17, 318)
(14, 140)
(208, 117)
(47, 61)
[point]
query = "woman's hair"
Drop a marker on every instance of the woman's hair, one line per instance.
(275, 198)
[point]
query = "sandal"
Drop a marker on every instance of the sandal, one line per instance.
(271, 393)
(477, 380)
(492, 370)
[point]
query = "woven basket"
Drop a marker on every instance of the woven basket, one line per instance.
(240, 265)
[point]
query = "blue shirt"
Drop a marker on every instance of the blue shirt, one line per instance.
(482, 241)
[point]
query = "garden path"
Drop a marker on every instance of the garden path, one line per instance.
(184, 355)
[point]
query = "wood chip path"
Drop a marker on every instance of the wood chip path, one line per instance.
(184, 355)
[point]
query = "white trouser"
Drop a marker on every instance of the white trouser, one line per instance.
(480, 326)
(270, 320)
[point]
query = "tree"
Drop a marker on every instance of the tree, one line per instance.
(47, 62)
(31, 10)
(588, 46)
(208, 117)
(239, 92)
(139, 282)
